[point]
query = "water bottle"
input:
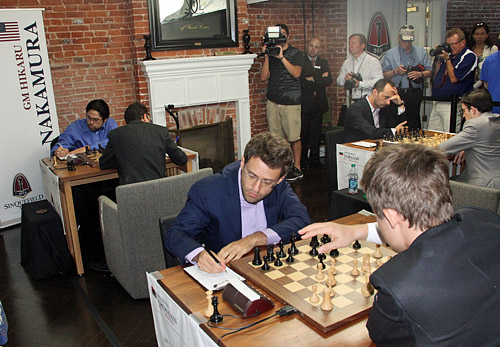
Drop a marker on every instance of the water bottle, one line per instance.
(353, 180)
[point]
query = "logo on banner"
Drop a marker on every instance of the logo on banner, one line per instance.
(9, 32)
(378, 35)
(21, 186)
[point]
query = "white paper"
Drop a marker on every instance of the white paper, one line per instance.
(364, 144)
(212, 281)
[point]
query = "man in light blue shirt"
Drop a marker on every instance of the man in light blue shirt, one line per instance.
(407, 66)
(91, 131)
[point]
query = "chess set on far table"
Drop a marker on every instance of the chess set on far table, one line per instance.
(303, 280)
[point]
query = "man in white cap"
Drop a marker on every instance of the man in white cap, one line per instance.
(407, 66)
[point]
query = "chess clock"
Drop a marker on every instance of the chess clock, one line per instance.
(244, 299)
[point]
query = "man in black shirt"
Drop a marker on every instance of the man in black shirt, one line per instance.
(283, 96)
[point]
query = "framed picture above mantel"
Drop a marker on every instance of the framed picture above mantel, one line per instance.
(193, 24)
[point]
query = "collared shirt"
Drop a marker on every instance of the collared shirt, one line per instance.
(376, 116)
(464, 65)
(253, 219)
(398, 56)
(78, 134)
(370, 69)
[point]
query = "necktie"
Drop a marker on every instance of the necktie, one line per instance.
(313, 62)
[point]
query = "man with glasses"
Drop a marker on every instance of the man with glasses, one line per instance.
(453, 74)
(407, 66)
(91, 131)
(137, 150)
(478, 142)
(250, 204)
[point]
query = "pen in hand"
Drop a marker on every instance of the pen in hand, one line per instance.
(214, 258)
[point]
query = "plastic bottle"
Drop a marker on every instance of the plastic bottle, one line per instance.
(353, 180)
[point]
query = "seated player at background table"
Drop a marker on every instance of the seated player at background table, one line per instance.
(137, 150)
(250, 204)
(478, 142)
(443, 286)
(364, 120)
(90, 131)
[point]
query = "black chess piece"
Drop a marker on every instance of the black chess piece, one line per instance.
(281, 253)
(216, 317)
(334, 253)
(323, 266)
(101, 149)
(256, 256)
(356, 245)
(314, 242)
(290, 258)
(325, 239)
(278, 262)
(266, 266)
(377, 146)
(314, 252)
(270, 253)
(87, 150)
(293, 248)
(321, 257)
(70, 164)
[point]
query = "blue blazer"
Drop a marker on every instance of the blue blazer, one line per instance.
(212, 214)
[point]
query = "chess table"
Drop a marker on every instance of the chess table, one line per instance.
(85, 174)
(279, 331)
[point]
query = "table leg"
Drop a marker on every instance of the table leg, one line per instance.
(68, 210)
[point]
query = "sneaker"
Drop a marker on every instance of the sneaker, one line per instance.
(294, 175)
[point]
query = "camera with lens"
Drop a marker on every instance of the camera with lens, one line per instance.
(352, 82)
(272, 39)
(437, 51)
(418, 68)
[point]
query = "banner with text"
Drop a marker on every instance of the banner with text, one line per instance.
(28, 109)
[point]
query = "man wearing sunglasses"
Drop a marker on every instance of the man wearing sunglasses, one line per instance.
(407, 66)
(478, 142)
(453, 74)
(250, 204)
(90, 131)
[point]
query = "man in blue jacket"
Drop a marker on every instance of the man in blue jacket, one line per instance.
(249, 204)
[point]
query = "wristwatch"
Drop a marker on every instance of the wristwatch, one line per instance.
(401, 104)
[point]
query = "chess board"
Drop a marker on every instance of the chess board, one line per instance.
(292, 283)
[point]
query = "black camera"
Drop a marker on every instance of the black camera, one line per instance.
(352, 82)
(437, 51)
(272, 39)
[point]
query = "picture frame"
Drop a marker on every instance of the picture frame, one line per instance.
(193, 25)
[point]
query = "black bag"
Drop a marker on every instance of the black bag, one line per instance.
(44, 250)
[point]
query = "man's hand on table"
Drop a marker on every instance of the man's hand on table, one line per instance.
(61, 152)
(342, 235)
(207, 264)
(237, 249)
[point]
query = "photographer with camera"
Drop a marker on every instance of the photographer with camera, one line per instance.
(407, 66)
(453, 74)
(282, 68)
(360, 71)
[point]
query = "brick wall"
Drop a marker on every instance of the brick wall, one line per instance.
(94, 45)
(464, 14)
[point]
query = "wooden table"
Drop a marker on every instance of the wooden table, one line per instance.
(278, 331)
(85, 174)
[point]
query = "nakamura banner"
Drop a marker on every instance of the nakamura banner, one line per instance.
(29, 118)
(378, 20)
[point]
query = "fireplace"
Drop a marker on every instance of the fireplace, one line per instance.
(199, 81)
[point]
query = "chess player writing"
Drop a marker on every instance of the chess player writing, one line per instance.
(441, 289)
(250, 204)
(91, 131)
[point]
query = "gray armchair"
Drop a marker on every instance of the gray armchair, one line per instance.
(465, 194)
(132, 241)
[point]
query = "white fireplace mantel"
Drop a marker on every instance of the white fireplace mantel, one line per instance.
(199, 81)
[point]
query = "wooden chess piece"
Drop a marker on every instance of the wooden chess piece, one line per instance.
(378, 253)
(355, 271)
(380, 262)
(366, 263)
(256, 257)
(367, 290)
(314, 299)
(210, 308)
(332, 293)
(331, 278)
(55, 162)
(216, 317)
(334, 270)
(326, 305)
(320, 276)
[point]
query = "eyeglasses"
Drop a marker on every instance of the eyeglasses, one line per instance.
(454, 43)
(268, 183)
(406, 26)
(462, 111)
(479, 24)
(93, 120)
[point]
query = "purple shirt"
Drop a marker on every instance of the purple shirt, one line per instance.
(253, 219)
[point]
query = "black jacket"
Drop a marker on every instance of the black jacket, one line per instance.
(309, 100)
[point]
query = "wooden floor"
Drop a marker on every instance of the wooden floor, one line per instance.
(94, 310)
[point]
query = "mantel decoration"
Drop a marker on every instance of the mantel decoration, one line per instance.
(192, 24)
(148, 46)
(246, 40)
